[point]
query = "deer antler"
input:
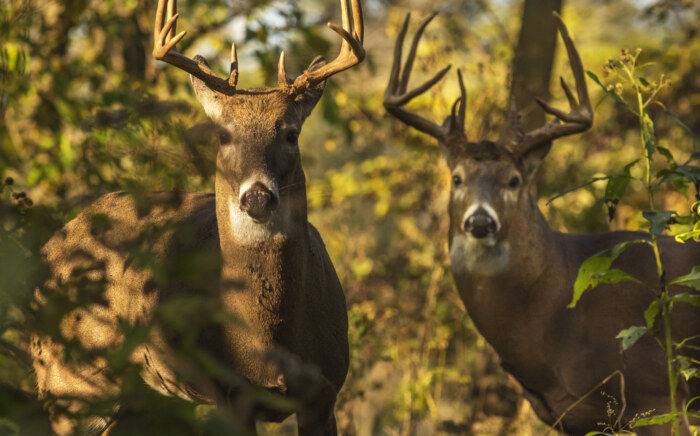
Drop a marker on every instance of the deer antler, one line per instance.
(351, 51)
(396, 96)
(165, 39)
(580, 117)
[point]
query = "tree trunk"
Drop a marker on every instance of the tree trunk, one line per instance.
(532, 63)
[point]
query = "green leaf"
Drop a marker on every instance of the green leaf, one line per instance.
(692, 299)
(658, 219)
(692, 279)
(609, 93)
(616, 186)
(579, 186)
(684, 173)
(655, 420)
(665, 152)
(695, 233)
(687, 369)
(649, 145)
(690, 171)
(648, 134)
(631, 335)
(650, 314)
(596, 270)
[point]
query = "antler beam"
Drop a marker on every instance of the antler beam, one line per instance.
(351, 51)
(165, 38)
(396, 96)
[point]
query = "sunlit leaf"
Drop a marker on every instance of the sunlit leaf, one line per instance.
(650, 314)
(692, 234)
(596, 270)
(692, 279)
(631, 335)
(654, 420)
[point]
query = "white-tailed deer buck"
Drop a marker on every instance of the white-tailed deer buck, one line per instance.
(516, 275)
(272, 273)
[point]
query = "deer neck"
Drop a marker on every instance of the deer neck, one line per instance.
(522, 285)
(263, 281)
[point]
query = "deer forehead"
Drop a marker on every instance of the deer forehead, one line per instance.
(475, 171)
(259, 113)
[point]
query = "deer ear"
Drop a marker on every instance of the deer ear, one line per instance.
(211, 100)
(446, 148)
(446, 152)
(533, 159)
(308, 99)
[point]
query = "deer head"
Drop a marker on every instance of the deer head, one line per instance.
(490, 179)
(260, 181)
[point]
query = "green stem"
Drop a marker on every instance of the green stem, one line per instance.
(665, 299)
(672, 374)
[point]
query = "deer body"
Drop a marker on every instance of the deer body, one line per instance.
(557, 354)
(260, 260)
(516, 275)
(282, 290)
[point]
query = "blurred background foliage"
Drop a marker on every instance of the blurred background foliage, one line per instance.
(85, 110)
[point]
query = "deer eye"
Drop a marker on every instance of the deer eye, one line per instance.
(514, 182)
(224, 137)
(293, 138)
(456, 180)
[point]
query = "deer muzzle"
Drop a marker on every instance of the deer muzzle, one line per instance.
(480, 224)
(259, 202)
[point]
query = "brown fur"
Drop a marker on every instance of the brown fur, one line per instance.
(291, 336)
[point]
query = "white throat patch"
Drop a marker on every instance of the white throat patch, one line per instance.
(246, 231)
(485, 257)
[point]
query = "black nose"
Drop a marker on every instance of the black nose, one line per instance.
(259, 202)
(480, 224)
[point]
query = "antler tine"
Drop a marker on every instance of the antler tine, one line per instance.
(408, 66)
(351, 50)
(172, 10)
(358, 20)
(580, 116)
(462, 102)
(395, 95)
(456, 120)
(165, 40)
(233, 75)
(393, 85)
(576, 65)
